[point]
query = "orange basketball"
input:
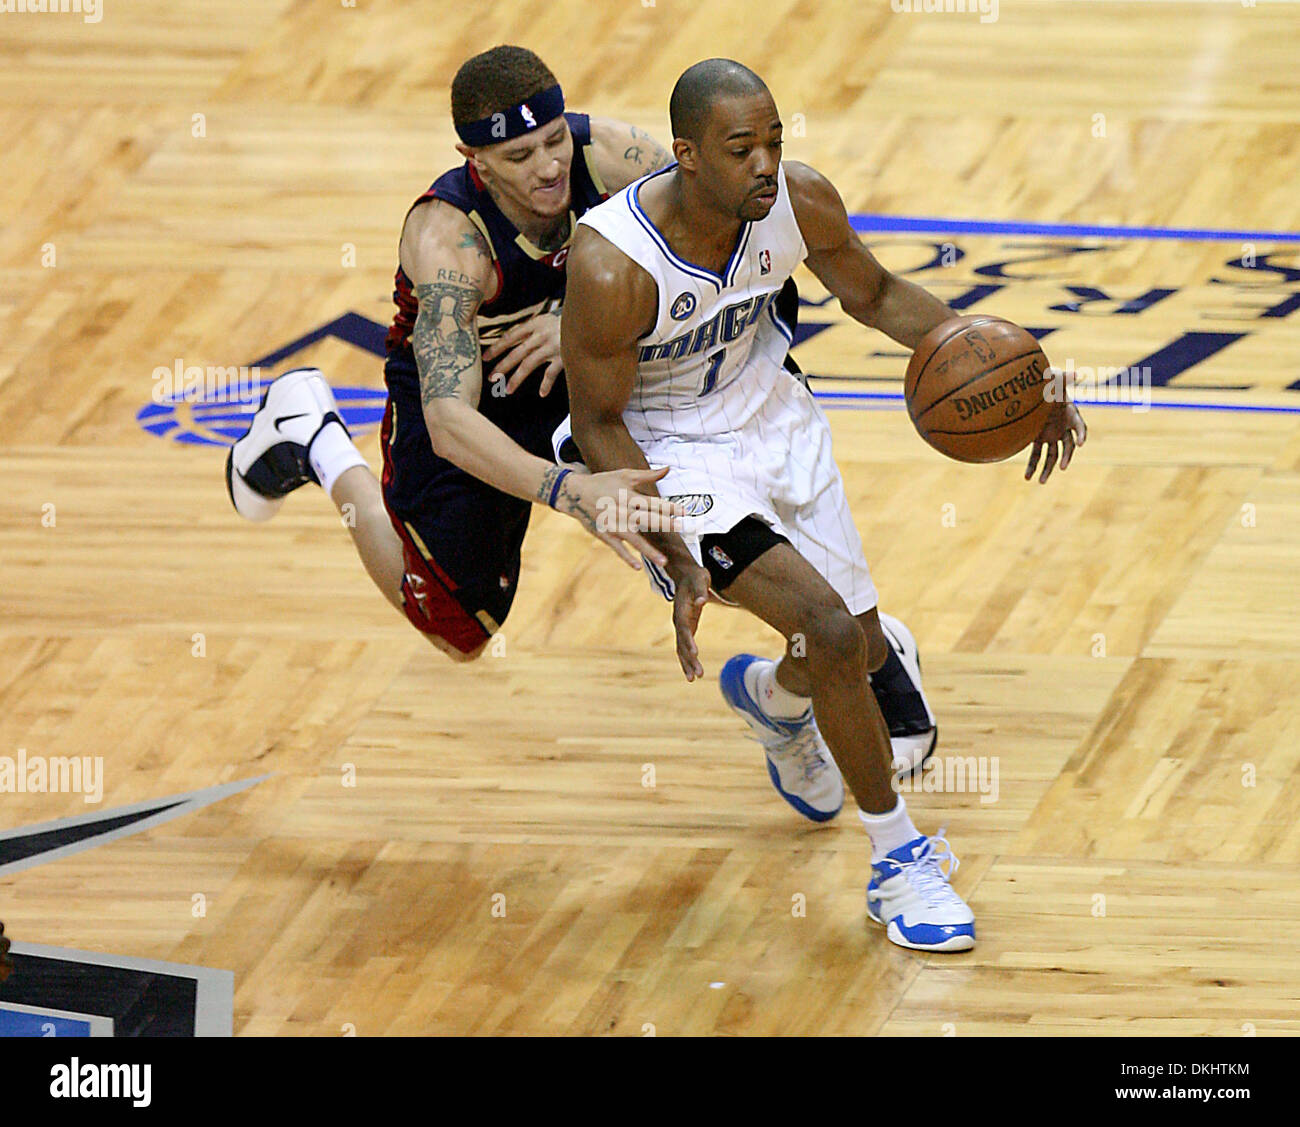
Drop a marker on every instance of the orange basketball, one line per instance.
(975, 389)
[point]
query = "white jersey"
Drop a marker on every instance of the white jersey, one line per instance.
(740, 436)
(717, 347)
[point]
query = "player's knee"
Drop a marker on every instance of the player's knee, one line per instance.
(877, 643)
(458, 656)
(835, 640)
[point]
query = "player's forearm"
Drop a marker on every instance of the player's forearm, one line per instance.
(478, 446)
(606, 445)
(902, 310)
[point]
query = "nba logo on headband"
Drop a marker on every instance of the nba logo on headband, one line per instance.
(504, 125)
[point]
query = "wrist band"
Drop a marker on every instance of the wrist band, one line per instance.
(555, 489)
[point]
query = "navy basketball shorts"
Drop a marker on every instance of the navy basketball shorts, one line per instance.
(461, 538)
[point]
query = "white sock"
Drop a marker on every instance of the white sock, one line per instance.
(332, 454)
(889, 831)
(773, 700)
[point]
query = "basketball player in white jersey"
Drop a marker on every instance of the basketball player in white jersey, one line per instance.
(673, 352)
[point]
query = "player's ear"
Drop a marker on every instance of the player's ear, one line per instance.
(471, 155)
(685, 153)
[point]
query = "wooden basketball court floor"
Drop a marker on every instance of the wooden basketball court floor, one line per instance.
(1124, 643)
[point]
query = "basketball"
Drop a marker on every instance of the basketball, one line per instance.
(975, 389)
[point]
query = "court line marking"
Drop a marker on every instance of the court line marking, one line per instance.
(855, 400)
(896, 224)
(214, 991)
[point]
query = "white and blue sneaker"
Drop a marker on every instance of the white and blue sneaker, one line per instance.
(909, 893)
(271, 460)
(798, 760)
(896, 685)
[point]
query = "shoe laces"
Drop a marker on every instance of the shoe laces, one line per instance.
(804, 749)
(926, 871)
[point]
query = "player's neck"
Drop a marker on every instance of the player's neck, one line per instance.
(695, 229)
(546, 232)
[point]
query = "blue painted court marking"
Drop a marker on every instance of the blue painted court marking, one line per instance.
(936, 226)
(871, 400)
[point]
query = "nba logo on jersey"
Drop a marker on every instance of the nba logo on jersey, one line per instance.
(765, 262)
(683, 307)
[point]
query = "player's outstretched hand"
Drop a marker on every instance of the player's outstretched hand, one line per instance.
(6, 965)
(523, 349)
(613, 509)
(1064, 428)
(692, 592)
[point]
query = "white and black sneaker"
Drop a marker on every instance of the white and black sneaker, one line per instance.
(913, 734)
(272, 459)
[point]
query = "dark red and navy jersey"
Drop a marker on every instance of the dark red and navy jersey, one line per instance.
(529, 279)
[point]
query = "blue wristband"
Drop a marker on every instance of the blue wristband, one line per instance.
(555, 489)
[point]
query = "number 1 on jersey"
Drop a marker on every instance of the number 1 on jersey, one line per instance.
(715, 366)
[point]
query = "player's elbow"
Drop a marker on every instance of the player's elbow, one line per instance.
(440, 423)
(872, 305)
(865, 307)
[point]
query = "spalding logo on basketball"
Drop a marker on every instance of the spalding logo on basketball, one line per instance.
(977, 388)
(220, 421)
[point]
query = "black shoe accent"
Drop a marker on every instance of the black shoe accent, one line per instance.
(900, 701)
(330, 417)
(929, 751)
(280, 470)
(230, 468)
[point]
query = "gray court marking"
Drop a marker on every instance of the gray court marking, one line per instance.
(177, 804)
(214, 1002)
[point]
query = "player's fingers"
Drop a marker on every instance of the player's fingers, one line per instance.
(552, 373)
(1033, 461)
(686, 649)
(634, 501)
(506, 340)
(697, 608)
(616, 542)
(523, 362)
(1049, 463)
(642, 545)
(1080, 427)
(1068, 452)
(637, 478)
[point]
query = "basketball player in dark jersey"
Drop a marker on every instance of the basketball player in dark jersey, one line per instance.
(466, 436)
(466, 441)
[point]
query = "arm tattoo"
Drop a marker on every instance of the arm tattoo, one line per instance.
(548, 483)
(656, 157)
(445, 338)
(474, 240)
(568, 501)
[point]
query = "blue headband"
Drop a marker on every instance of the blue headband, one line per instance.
(530, 114)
